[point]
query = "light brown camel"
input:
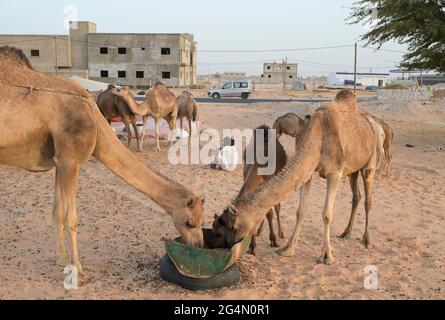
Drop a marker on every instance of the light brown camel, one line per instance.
(252, 180)
(162, 103)
(387, 146)
(338, 141)
(113, 106)
(51, 123)
(187, 109)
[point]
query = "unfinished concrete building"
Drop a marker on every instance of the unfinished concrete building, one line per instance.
(134, 59)
(278, 73)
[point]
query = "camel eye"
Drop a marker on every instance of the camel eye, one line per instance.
(190, 225)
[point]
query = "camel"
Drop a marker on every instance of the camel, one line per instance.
(289, 124)
(252, 180)
(161, 102)
(338, 141)
(113, 106)
(53, 123)
(387, 146)
(187, 109)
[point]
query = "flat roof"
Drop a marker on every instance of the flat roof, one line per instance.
(139, 34)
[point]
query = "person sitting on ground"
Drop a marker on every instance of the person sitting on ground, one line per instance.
(226, 158)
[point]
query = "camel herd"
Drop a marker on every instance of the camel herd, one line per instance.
(54, 123)
(159, 103)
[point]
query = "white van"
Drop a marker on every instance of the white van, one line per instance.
(240, 88)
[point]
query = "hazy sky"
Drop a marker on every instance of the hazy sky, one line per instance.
(221, 25)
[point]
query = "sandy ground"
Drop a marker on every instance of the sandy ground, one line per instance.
(121, 231)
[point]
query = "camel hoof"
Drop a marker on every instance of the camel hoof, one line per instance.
(345, 235)
(367, 242)
(63, 261)
(326, 260)
(274, 244)
(286, 252)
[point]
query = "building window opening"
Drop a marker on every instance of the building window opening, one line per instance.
(165, 51)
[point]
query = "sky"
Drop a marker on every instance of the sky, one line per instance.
(233, 25)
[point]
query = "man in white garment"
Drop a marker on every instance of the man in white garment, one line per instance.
(227, 157)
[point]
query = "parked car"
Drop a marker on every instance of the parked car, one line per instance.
(372, 88)
(239, 88)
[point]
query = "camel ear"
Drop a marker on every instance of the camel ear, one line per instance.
(191, 202)
(216, 217)
(233, 211)
(203, 199)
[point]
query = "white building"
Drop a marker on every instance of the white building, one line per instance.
(364, 79)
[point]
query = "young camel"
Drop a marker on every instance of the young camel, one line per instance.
(53, 123)
(252, 180)
(338, 141)
(112, 106)
(187, 109)
(161, 102)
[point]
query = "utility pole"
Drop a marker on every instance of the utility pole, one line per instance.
(56, 49)
(355, 67)
(284, 73)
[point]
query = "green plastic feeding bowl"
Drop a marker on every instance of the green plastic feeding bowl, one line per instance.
(202, 263)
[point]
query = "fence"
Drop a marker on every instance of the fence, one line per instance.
(410, 94)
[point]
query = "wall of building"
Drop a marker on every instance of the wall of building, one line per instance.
(275, 73)
(79, 31)
(143, 54)
(79, 54)
(46, 46)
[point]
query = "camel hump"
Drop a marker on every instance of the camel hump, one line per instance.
(345, 100)
(13, 55)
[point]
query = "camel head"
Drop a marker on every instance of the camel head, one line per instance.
(188, 221)
(123, 92)
(231, 227)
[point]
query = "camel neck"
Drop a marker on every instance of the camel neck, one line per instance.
(298, 170)
(110, 151)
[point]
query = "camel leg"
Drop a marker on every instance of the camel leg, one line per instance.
(141, 139)
(332, 187)
(190, 130)
(280, 229)
(158, 147)
(67, 177)
(252, 246)
(127, 127)
(356, 197)
(272, 236)
(260, 228)
(368, 179)
(181, 125)
(289, 249)
(59, 216)
(172, 124)
(135, 128)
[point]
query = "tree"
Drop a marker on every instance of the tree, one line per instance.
(418, 23)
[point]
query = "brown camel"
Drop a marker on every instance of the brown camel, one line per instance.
(289, 124)
(161, 102)
(112, 106)
(252, 180)
(338, 141)
(53, 123)
(187, 109)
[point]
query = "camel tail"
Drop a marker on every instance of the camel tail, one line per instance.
(195, 112)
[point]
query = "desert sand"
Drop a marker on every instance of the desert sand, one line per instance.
(121, 232)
